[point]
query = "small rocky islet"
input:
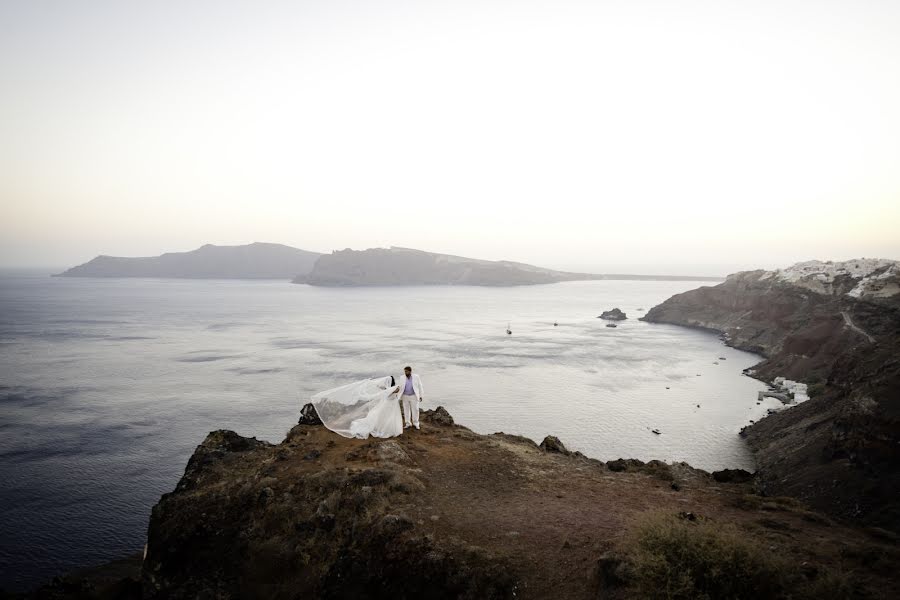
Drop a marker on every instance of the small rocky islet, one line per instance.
(615, 314)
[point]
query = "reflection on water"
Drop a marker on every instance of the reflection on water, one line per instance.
(106, 386)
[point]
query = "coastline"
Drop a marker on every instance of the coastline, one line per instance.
(835, 449)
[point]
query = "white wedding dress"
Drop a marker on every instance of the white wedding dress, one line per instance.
(361, 409)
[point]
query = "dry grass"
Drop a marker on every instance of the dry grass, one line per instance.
(675, 558)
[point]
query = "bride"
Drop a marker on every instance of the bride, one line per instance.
(367, 407)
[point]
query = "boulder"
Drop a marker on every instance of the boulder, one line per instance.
(393, 525)
(439, 416)
(732, 476)
(390, 451)
(624, 464)
(309, 416)
(551, 443)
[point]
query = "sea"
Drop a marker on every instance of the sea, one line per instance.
(108, 385)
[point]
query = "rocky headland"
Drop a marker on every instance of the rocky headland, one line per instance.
(834, 326)
(251, 261)
(406, 266)
(448, 513)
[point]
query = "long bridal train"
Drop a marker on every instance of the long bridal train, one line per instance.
(361, 409)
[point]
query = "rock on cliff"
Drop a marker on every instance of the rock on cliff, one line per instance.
(836, 327)
(443, 513)
(252, 261)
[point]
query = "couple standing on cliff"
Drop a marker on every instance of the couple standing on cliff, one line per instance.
(371, 406)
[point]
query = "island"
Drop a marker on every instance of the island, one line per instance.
(372, 267)
(407, 266)
(251, 261)
(829, 332)
(615, 314)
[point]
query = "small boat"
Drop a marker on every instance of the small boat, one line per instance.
(656, 431)
(508, 330)
(611, 325)
(555, 324)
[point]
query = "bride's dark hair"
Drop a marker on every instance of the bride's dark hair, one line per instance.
(392, 380)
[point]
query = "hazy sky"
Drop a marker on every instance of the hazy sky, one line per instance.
(648, 136)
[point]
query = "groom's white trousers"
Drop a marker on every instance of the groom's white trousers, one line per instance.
(410, 409)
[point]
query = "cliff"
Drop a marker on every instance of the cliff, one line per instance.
(405, 266)
(252, 261)
(447, 513)
(836, 327)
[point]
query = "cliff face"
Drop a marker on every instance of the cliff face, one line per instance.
(446, 513)
(252, 261)
(835, 326)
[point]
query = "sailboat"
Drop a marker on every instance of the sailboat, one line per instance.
(508, 330)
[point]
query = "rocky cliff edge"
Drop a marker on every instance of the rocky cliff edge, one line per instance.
(835, 327)
(447, 513)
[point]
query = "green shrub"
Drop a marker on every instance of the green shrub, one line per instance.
(676, 558)
(747, 501)
(833, 586)
(815, 390)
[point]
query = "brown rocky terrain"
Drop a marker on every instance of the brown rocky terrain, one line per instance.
(840, 450)
(447, 513)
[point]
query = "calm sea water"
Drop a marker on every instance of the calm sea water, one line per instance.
(107, 386)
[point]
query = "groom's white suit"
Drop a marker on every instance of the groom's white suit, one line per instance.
(411, 401)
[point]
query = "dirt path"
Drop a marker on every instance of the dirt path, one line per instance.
(849, 322)
(552, 515)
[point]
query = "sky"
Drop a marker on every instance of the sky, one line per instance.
(673, 137)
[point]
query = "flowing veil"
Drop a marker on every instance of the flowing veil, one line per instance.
(360, 409)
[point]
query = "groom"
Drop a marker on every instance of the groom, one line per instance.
(410, 389)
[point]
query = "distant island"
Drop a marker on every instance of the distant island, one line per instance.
(406, 266)
(251, 261)
(372, 267)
